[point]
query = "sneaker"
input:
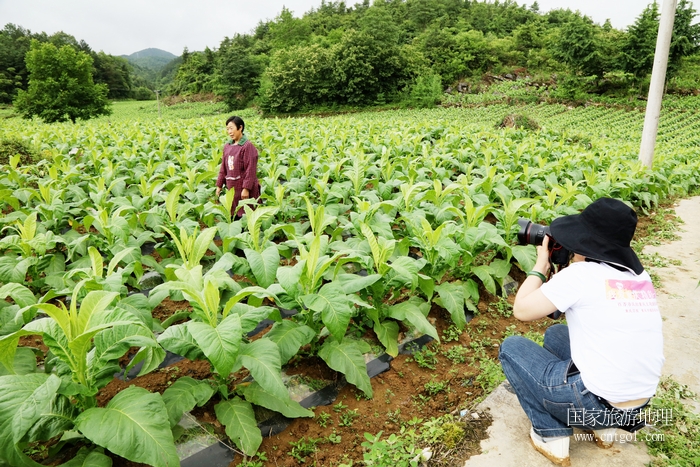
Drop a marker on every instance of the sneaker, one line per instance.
(605, 438)
(556, 450)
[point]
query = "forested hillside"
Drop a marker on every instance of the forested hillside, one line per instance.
(125, 77)
(397, 52)
(154, 67)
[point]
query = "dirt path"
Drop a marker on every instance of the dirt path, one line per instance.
(679, 300)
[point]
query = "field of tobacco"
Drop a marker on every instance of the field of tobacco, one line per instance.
(375, 232)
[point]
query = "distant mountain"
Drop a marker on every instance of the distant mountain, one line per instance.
(151, 59)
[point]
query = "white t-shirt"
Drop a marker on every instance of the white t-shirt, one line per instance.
(614, 328)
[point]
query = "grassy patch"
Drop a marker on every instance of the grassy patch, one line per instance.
(675, 438)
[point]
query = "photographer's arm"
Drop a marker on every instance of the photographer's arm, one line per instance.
(530, 303)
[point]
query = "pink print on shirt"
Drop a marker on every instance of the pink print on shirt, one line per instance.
(632, 296)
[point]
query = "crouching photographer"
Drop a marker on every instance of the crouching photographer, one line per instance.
(599, 371)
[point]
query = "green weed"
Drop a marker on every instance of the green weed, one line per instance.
(426, 358)
(395, 450)
(303, 448)
(323, 419)
(434, 387)
(348, 417)
(675, 438)
(394, 416)
(443, 430)
(502, 308)
(450, 334)
(456, 354)
(388, 395)
(339, 407)
(258, 460)
(334, 438)
(491, 375)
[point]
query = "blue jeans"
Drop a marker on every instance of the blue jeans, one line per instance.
(553, 401)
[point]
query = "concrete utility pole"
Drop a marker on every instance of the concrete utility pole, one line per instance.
(158, 100)
(658, 80)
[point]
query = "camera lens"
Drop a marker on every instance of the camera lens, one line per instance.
(531, 233)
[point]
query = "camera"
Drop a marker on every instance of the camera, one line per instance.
(533, 234)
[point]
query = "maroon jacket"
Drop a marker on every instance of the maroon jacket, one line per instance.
(239, 167)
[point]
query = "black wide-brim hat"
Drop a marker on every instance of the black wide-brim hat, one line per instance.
(603, 232)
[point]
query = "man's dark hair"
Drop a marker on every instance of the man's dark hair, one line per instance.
(238, 121)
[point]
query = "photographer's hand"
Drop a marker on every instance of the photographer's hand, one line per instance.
(530, 303)
(542, 264)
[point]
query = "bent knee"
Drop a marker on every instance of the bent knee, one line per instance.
(511, 344)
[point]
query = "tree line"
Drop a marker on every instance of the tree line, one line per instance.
(397, 51)
(123, 81)
(393, 50)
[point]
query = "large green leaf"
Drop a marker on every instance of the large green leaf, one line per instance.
(53, 336)
(414, 310)
(219, 344)
(14, 269)
(150, 357)
(427, 285)
(452, 299)
(351, 283)
(346, 357)
(183, 395)
(262, 359)
(388, 334)
(264, 265)
(8, 348)
(250, 315)
(21, 295)
(113, 343)
(14, 391)
(139, 306)
(526, 256)
(57, 315)
(485, 274)
(334, 306)
(54, 421)
(289, 276)
(406, 271)
(12, 318)
(178, 340)
(289, 337)
(500, 268)
(243, 293)
(201, 245)
(238, 418)
(24, 363)
(134, 425)
(34, 407)
(91, 311)
(88, 458)
(257, 395)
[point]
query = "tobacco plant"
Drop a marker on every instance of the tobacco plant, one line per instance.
(85, 341)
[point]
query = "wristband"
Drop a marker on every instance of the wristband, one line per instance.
(538, 274)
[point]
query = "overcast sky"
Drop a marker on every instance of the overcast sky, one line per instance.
(121, 27)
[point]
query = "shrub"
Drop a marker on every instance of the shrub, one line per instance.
(426, 91)
(518, 121)
(142, 93)
(12, 147)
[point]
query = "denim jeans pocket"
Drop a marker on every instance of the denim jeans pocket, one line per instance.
(560, 410)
